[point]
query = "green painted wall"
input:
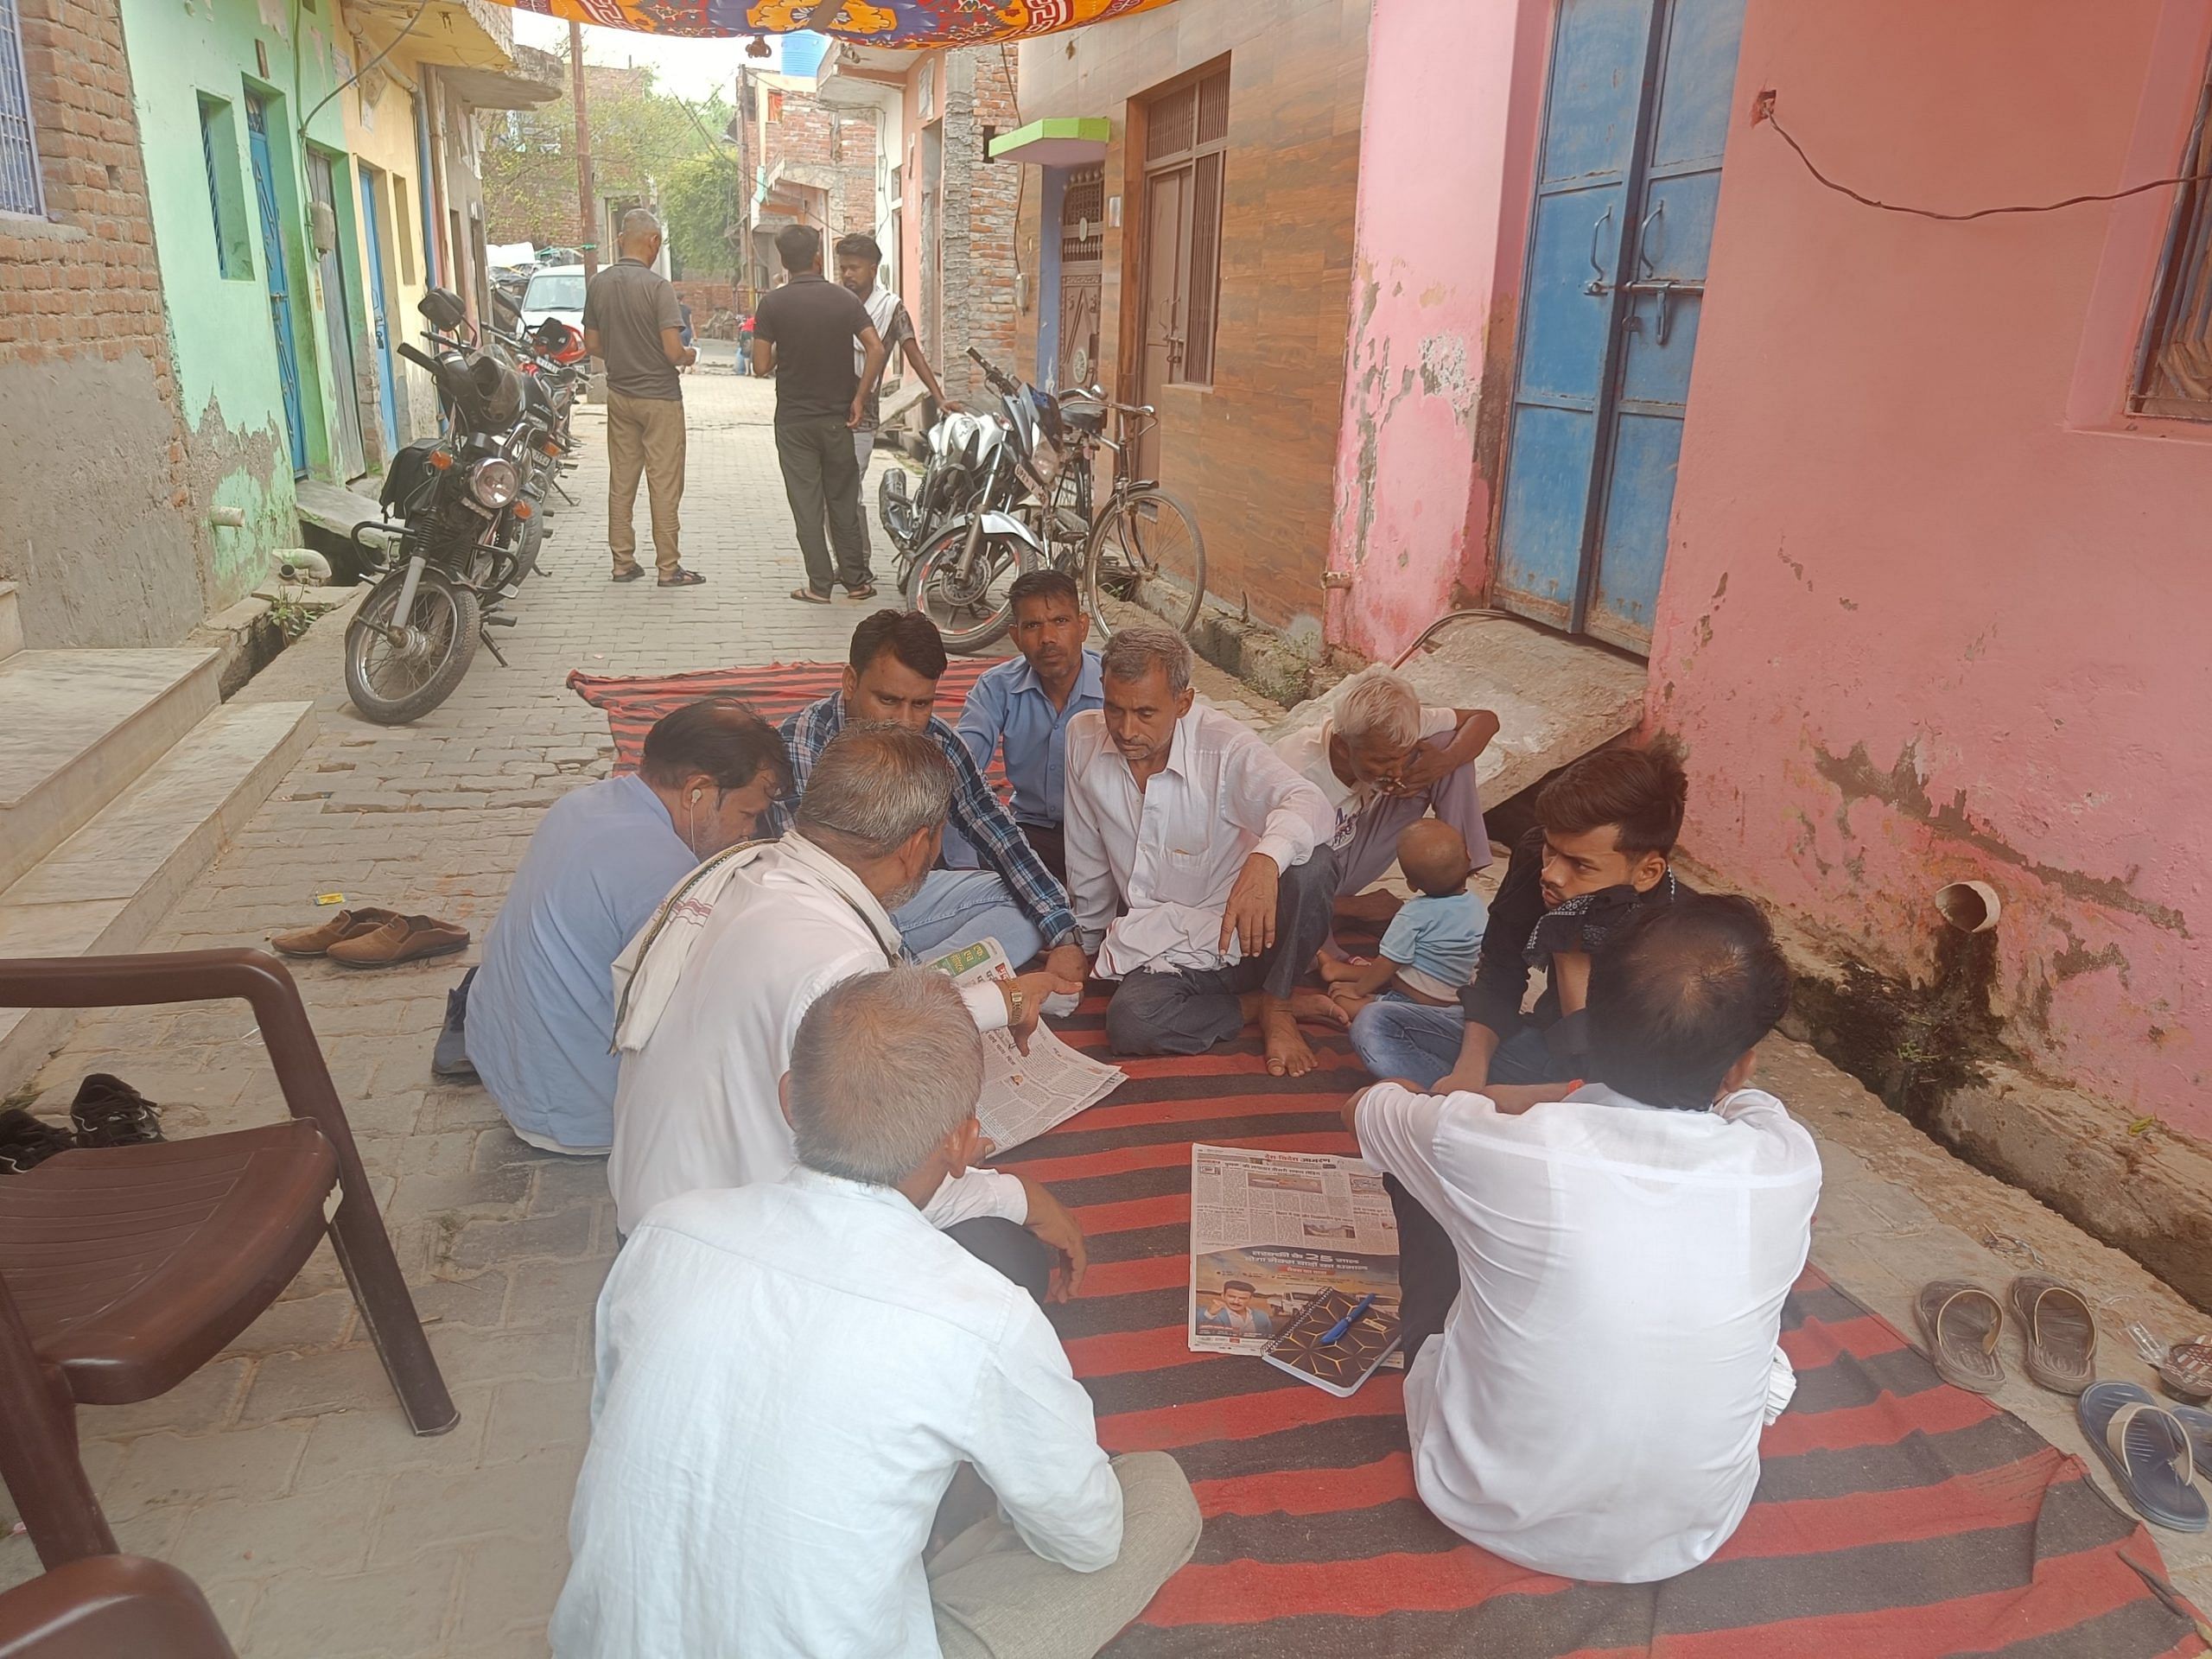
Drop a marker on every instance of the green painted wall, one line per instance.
(181, 51)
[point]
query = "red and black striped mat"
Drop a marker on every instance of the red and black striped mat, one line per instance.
(1896, 1517)
(633, 705)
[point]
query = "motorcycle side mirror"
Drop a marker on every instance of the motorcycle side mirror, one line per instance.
(442, 307)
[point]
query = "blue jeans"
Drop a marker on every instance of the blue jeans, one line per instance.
(959, 907)
(1397, 1038)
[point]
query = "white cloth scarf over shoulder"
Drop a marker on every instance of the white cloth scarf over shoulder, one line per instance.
(882, 305)
(647, 971)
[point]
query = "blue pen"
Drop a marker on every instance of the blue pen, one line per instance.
(1344, 1324)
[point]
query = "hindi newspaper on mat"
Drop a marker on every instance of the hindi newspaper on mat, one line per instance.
(1270, 1230)
(1025, 1095)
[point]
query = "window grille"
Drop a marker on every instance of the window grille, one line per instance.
(21, 188)
(2176, 376)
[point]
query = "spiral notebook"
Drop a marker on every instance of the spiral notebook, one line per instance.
(1340, 1366)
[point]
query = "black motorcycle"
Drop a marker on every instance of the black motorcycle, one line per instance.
(466, 536)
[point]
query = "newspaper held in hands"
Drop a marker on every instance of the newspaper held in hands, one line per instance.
(1025, 1095)
(1271, 1231)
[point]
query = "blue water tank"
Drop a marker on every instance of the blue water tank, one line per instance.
(804, 51)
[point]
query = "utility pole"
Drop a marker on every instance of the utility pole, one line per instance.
(588, 215)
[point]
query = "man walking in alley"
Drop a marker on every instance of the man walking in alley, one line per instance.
(804, 332)
(860, 264)
(632, 324)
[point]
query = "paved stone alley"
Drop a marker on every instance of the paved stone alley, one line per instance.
(281, 1476)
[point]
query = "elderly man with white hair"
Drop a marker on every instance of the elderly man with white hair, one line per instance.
(1383, 759)
(801, 1382)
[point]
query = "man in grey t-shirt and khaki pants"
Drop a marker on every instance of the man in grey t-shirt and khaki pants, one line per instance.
(632, 324)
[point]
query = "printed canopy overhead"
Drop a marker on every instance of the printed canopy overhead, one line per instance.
(915, 24)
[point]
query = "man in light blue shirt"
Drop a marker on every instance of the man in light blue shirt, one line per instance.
(539, 1012)
(1024, 705)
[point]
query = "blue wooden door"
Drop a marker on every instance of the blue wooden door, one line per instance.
(280, 280)
(380, 322)
(1635, 117)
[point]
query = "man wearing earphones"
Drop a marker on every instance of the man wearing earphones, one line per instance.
(536, 1021)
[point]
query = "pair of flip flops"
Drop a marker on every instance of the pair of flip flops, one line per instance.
(2157, 1453)
(1961, 1322)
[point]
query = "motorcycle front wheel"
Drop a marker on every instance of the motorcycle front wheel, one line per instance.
(394, 681)
(966, 597)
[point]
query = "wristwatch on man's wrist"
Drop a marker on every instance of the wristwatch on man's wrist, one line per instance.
(1017, 1000)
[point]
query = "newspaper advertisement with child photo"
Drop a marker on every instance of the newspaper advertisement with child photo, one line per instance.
(1025, 1095)
(1270, 1230)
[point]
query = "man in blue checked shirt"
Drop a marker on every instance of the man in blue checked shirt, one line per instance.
(1024, 705)
(891, 674)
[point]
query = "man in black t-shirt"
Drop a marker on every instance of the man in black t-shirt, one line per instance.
(860, 264)
(804, 332)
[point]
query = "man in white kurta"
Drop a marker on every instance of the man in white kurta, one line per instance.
(1194, 864)
(1613, 1263)
(789, 1374)
(712, 991)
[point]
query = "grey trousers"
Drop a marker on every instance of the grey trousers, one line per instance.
(819, 481)
(1187, 1011)
(1455, 797)
(996, 1598)
(864, 451)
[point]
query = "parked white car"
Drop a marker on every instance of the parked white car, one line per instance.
(554, 291)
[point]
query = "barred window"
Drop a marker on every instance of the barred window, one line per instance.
(2176, 376)
(21, 190)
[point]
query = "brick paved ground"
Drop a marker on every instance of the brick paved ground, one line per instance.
(281, 1476)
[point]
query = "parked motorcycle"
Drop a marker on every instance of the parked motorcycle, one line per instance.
(466, 536)
(961, 573)
(958, 446)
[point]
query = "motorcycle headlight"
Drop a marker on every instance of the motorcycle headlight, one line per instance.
(493, 482)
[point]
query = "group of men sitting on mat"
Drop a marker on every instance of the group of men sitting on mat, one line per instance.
(830, 1415)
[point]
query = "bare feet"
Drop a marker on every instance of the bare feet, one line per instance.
(1335, 971)
(1319, 1006)
(1287, 1053)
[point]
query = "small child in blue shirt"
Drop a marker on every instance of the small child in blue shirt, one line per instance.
(1430, 949)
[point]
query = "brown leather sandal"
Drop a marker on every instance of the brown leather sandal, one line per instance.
(2060, 1331)
(1960, 1323)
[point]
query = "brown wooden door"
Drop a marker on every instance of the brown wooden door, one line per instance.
(1166, 297)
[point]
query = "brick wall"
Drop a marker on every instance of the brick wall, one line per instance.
(86, 281)
(101, 550)
(994, 200)
(976, 239)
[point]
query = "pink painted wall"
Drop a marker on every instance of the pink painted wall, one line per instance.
(1934, 606)
(1446, 145)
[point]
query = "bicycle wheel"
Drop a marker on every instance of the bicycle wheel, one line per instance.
(1147, 564)
(967, 598)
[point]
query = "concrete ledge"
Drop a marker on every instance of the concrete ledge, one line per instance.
(2127, 1180)
(108, 887)
(2132, 1182)
(11, 622)
(81, 725)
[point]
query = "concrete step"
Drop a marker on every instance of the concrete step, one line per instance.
(79, 727)
(1557, 698)
(108, 886)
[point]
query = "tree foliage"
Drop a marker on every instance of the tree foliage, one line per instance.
(647, 146)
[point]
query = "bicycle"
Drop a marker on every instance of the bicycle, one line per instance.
(1140, 556)
(1137, 556)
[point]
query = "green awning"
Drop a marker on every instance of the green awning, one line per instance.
(1058, 141)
